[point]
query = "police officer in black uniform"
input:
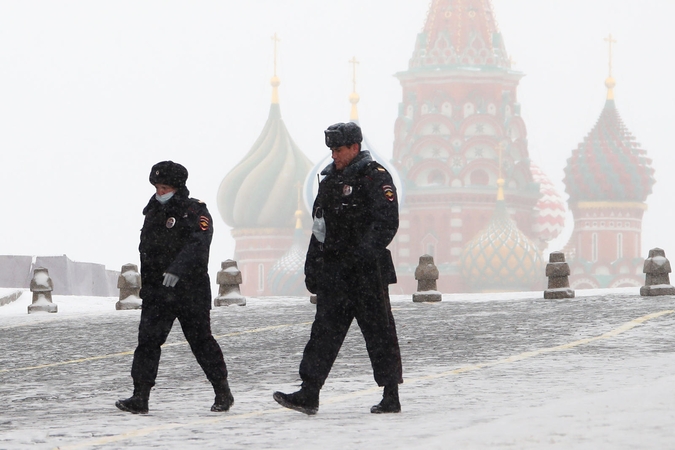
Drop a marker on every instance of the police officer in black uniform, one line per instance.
(174, 252)
(349, 268)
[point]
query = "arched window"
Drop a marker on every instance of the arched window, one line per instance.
(436, 178)
(479, 177)
(468, 109)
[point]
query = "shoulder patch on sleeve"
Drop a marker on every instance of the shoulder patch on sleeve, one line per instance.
(204, 223)
(389, 192)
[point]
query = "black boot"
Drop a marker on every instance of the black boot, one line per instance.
(224, 398)
(390, 402)
(138, 402)
(306, 400)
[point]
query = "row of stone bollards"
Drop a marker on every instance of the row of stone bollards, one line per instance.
(656, 269)
(228, 280)
(129, 284)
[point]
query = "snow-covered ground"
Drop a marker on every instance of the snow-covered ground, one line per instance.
(481, 371)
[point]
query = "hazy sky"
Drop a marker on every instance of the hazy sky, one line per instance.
(93, 93)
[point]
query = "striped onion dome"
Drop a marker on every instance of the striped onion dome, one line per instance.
(501, 257)
(609, 165)
(551, 208)
(287, 276)
(259, 191)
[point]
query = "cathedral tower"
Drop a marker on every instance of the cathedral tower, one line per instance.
(258, 199)
(459, 112)
(608, 178)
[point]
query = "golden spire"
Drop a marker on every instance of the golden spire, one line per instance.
(609, 82)
(500, 180)
(275, 82)
(298, 212)
(354, 97)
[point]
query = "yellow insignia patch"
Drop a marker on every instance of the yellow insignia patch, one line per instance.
(203, 223)
(389, 192)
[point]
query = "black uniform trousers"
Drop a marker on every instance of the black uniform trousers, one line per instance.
(157, 318)
(345, 294)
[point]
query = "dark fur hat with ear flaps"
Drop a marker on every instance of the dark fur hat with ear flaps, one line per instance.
(169, 173)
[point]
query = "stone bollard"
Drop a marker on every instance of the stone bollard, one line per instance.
(229, 279)
(129, 284)
(426, 275)
(41, 286)
(656, 269)
(558, 273)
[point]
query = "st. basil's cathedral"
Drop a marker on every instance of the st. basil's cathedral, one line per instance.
(469, 194)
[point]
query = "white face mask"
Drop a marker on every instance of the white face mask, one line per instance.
(164, 198)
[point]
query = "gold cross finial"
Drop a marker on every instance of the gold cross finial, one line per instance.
(610, 41)
(353, 62)
(353, 97)
(275, 80)
(276, 39)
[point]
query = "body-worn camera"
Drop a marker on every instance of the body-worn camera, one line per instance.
(341, 134)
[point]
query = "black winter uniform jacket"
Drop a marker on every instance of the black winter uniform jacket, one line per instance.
(176, 238)
(360, 208)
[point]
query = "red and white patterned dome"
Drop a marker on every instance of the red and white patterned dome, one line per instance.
(551, 208)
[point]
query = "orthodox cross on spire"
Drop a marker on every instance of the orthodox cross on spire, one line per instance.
(353, 97)
(275, 39)
(353, 62)
(275, 80)
(610, 41)
(609, 82)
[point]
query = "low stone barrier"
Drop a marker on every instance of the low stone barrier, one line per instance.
(129, 284)
(657, 278)
(41, 286)
(229, 279)
(9, 298)
(426, 275)
(558, 273)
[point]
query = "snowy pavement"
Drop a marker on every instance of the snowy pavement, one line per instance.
(485, 371)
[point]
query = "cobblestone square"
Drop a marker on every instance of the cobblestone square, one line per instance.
(482, 372)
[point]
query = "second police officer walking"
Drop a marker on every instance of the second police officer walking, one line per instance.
(174, 253)
(349, 267)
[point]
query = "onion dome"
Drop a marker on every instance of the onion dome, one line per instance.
(460, 33)
(609, 165)
(287, 276)
(551, 209)
(501, 257)
(258, 192)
